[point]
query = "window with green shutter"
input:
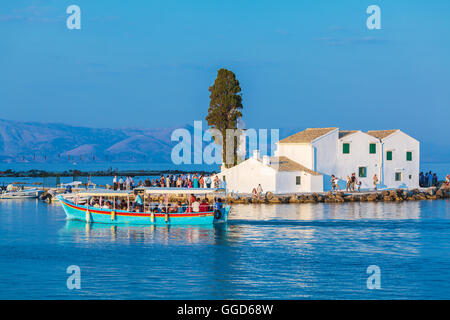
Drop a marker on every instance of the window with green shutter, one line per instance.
(298, 180)
(362, 172)
(389, 155)
(398, 176)
(372, 148)
(408, 156)
(346, 148)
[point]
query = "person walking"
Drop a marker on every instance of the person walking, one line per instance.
(349, 181)
(353, 181)
(333, 183)
(375, 181)
(259, 191)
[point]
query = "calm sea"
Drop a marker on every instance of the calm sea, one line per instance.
(304, 251)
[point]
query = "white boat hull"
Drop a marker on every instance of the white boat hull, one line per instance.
(25, 194)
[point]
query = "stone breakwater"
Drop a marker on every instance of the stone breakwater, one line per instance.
(398, 195)
(432, 193)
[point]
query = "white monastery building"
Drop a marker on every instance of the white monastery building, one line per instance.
(305, 161)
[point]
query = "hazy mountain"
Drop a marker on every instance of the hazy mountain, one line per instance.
(34, 141)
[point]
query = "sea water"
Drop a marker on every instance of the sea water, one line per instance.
(286, 251)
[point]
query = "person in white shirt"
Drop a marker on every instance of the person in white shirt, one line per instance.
(115, 182)
(208, 182)
(196, 205)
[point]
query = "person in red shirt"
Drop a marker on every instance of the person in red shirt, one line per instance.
(204, 206)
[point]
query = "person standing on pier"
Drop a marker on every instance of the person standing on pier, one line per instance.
(435, 180)
(115, 183)
(195, 181)
(121, 183)
(208, 182)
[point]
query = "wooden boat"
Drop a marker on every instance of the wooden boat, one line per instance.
(114, 215)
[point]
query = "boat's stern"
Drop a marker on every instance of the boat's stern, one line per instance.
(223, 216)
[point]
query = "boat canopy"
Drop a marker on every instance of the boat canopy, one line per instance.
(104, 193)
(156, 190)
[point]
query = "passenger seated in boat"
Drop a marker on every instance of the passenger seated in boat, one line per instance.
(174, 208)
(196, 205)
(204, 206)
(180, 207)
(123, 205)
(193, 198)
(139, 203)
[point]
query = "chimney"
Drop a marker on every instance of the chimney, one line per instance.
(256, 154)
(266, 160)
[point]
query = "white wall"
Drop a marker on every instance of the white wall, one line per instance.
(359, 156)
(325, 152)
(399, 143)
(286, 182)
(247, 175)
(298, 152)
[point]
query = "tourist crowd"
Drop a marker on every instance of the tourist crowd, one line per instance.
(428, 179)
(170, 181)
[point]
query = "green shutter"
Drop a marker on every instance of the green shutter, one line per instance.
(298, 180)
(346, 148)
(389, 155)
(408, 156)
(362, 172)
(398, 176)
(373, 148)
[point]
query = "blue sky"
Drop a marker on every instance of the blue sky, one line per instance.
(300, 63)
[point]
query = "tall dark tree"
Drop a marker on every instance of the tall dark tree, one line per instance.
(225, 109)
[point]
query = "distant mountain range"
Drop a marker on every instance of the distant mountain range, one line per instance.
(47, 142)
(34, 141)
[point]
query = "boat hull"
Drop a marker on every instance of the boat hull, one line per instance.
(32, 194)
(99, 215)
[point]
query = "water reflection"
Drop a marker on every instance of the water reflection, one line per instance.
(81, 231)
(327, 211)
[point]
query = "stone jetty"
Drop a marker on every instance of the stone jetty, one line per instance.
(398, 195)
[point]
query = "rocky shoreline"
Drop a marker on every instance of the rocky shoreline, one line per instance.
(398, 195)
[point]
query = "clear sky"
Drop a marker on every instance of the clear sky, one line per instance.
(300, 63)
